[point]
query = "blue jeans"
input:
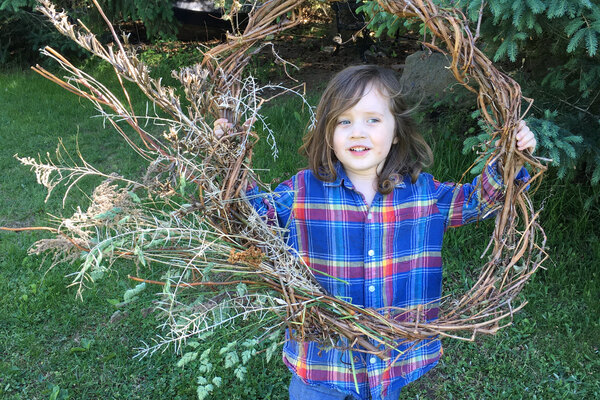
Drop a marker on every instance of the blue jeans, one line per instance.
(303, 391)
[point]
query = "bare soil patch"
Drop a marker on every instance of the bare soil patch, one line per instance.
(313, 50)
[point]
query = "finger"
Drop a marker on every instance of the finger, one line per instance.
(522, 127)
(221, 126)
(220, 121)
(519, 135)
(526, 136)
(531, 144)
(526, 144)
(524, 133)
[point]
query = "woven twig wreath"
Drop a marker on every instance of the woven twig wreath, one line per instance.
(223, 231)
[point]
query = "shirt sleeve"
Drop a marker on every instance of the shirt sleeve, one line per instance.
(461, 204)
(276, 207)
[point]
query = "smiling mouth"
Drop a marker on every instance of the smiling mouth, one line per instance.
(358, 149)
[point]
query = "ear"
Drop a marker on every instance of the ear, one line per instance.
(395, 140)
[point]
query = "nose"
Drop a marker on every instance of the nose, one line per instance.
(358, 130)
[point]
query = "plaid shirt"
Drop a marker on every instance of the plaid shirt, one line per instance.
(388, 254)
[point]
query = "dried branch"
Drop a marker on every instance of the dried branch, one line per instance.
(212, 240)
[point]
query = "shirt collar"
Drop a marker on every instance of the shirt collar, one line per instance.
(342, 179)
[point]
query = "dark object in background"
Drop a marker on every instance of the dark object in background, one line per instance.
(348, 23)
(201, 20)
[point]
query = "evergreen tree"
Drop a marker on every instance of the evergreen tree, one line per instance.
(23, 31)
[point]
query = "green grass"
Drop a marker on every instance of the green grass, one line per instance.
(49, 340)
(52, 344)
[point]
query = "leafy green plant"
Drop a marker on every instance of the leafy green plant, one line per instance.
(58, 394)
(229, 362)
(560, 147)
(157, 15)
(23, 31)
(557, 144)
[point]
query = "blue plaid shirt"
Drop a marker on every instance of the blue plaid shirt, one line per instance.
(388, 254)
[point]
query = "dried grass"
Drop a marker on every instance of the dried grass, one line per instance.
(211, 243)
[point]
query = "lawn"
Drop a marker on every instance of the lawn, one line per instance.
(54, 346)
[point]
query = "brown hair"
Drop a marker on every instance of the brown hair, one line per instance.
(408, 156)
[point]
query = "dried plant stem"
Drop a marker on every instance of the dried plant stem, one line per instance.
(213, 241)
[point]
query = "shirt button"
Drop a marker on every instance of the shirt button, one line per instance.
(371, 288)
(371, 253)
(372, 360)
(369, 216)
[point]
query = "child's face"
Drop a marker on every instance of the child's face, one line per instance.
(364, 135)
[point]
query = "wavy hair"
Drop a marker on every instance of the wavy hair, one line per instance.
(409, 155)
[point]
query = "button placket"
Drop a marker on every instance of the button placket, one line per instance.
(367, 227)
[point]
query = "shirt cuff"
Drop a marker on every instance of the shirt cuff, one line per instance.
(496, 180)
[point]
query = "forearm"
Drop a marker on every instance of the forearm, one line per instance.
(477, 200)
(274, 206)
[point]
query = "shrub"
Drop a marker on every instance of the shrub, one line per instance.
(23, 31)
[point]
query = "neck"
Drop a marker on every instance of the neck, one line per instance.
(367, 186)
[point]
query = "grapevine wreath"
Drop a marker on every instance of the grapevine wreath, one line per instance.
(190, 219)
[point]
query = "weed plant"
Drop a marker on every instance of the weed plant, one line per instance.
(54, 346)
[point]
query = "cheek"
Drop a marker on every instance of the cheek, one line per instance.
(388, 141)
(384, 153)
(387, 148)
(337, 143)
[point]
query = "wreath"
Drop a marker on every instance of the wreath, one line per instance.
(189, 215)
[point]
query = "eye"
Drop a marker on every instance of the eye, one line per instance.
(342, 121)
(373, 120)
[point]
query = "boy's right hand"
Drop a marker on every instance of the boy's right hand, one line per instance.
(221, 126)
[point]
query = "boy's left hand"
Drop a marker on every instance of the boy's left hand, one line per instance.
(525, 138)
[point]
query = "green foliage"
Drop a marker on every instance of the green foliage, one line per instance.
(381, 21)
(132, 294)
(23, 31)
(478, 142)
(214, 368)
(15, 5)
(509, 44)
(157, 15)
(559, 146)
(551, 48)
(164, 56)
(520, 22)
(555, 143)
(187, 358)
